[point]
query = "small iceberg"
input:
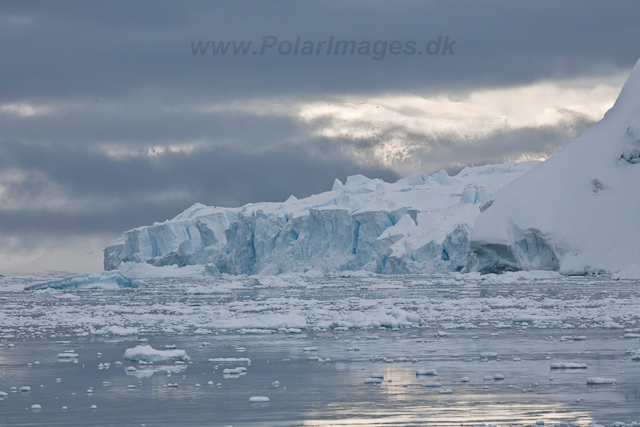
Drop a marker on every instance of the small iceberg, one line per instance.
(68, 355)
(432, 385)
(599, 380)
(231, 360)
(104, 280)
(146, 353)
(568, 365)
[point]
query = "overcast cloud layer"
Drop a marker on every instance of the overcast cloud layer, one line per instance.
(108, 121)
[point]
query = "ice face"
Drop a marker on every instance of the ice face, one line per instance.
(577, 212)
(420, 223)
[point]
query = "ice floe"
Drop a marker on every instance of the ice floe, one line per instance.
(147, 353)
(104, 280)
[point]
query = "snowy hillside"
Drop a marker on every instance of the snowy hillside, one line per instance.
(418, 224)
(579, 211)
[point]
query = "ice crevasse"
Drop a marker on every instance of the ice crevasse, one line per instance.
(418, 224)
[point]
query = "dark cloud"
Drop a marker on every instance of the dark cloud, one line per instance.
(214, 176)
(107, 49)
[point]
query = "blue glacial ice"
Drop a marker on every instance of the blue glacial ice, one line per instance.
(104, 280)
(420, 224)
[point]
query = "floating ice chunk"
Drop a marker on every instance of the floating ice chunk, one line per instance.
(377, 375)
(25, 389)
(373, 381)
(568, 365)
(148, 354)
(310, 349)
(432, 385)
(230, 360)
(69, 355)
(447, 391)
(105, 280)
(498, 377)
(488, 355)
(3, 394)
(36, 407)
(600, 380)
(258, 399)
(465, 380)
(425, 371)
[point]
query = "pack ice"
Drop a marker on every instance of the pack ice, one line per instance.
(577, 212)
(420, 224)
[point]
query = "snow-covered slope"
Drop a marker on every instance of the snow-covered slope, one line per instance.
(579, 211)
(418, 224)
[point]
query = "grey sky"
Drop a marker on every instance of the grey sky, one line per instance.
(107, 120)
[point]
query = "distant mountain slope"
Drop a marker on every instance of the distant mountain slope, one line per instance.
(579, 211)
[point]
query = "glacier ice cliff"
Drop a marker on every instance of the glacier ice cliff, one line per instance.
(418, 224)
(578, 212)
